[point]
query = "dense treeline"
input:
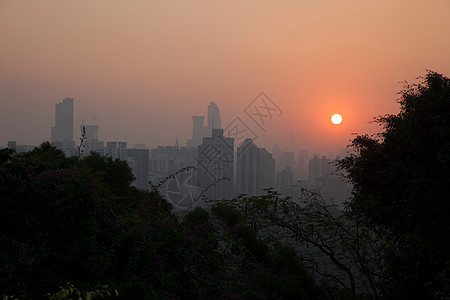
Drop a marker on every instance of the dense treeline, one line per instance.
(75, 225)
(79, 221)
(401, 180)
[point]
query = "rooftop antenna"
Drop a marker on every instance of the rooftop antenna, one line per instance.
(82, 121)
(94, 117)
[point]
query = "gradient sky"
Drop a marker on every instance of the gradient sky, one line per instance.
(145, 67)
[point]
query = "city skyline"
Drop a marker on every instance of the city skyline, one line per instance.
(66, 136)
(142, 67)
(225, 164)
(256, 149)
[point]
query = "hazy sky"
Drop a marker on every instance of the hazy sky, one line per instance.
(145, 67)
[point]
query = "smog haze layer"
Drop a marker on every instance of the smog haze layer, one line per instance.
(146, 67)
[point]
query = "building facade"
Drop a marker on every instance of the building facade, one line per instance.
(255, 169)
(215, 166)
(138, 160)
(62, 132)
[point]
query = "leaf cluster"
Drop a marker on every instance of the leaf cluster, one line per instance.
(400, 179)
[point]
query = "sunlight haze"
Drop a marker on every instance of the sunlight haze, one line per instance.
(146, 67)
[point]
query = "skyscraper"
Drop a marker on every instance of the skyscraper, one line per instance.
(285, 181)
(91, 142)
(318, 169)
(117, 150)
(214, 120)
(322, 175)
(286, 160)
(62, 132)
(197, 132)
(91, 132)
(301, 168)
(138, 159)
(255, 169)
(215, 163)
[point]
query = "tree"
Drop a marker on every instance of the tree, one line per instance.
(116, 173)
(341, 252)
(400, 186)
(68, 222)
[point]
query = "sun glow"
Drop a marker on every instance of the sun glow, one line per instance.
(336, 119)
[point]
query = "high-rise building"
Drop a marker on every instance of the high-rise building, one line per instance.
(62, 132)
(287, 160)
(165, 161)
(181, 190)
(318, 169)
(215, 166)
(301, 168)
(117, 150)
(138, 160)
(214, 120)
(197, 132)
(19, 148)
(266, 169)
(285, 181)
(255, 169)
(322, 176)
(12, 145)
(91, 132)
(91, 142)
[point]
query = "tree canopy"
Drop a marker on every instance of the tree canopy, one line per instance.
(400, 185)
(76, 224)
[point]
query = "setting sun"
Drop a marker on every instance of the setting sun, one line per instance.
(336, 119)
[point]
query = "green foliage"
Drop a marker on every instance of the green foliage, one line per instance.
(78, 220)
(68, 291)
(277, 271)
(116, 174)
(400, 181)
(196, 217)
(50, 220)
(440, 287)
(342, 253)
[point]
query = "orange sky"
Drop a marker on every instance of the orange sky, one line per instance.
(145, 67)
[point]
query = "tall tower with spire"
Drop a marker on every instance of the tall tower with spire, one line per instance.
(214, 120)
(199, 131)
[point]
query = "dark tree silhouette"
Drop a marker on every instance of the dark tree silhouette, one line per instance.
(401, 186)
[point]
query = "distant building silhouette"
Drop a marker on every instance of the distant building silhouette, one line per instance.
(215, 162)
(182, 190)
(19, 148)
(117, 150)
(138, 160)
(255, 169)
(197, 132)
(166, 160)
(285, 181)
(214, 120)
(91, 132)
(287, 160)
(318, 169)
(301, 169)
(62, 132)
(12, 145)
(91, 142)
(323, 177)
